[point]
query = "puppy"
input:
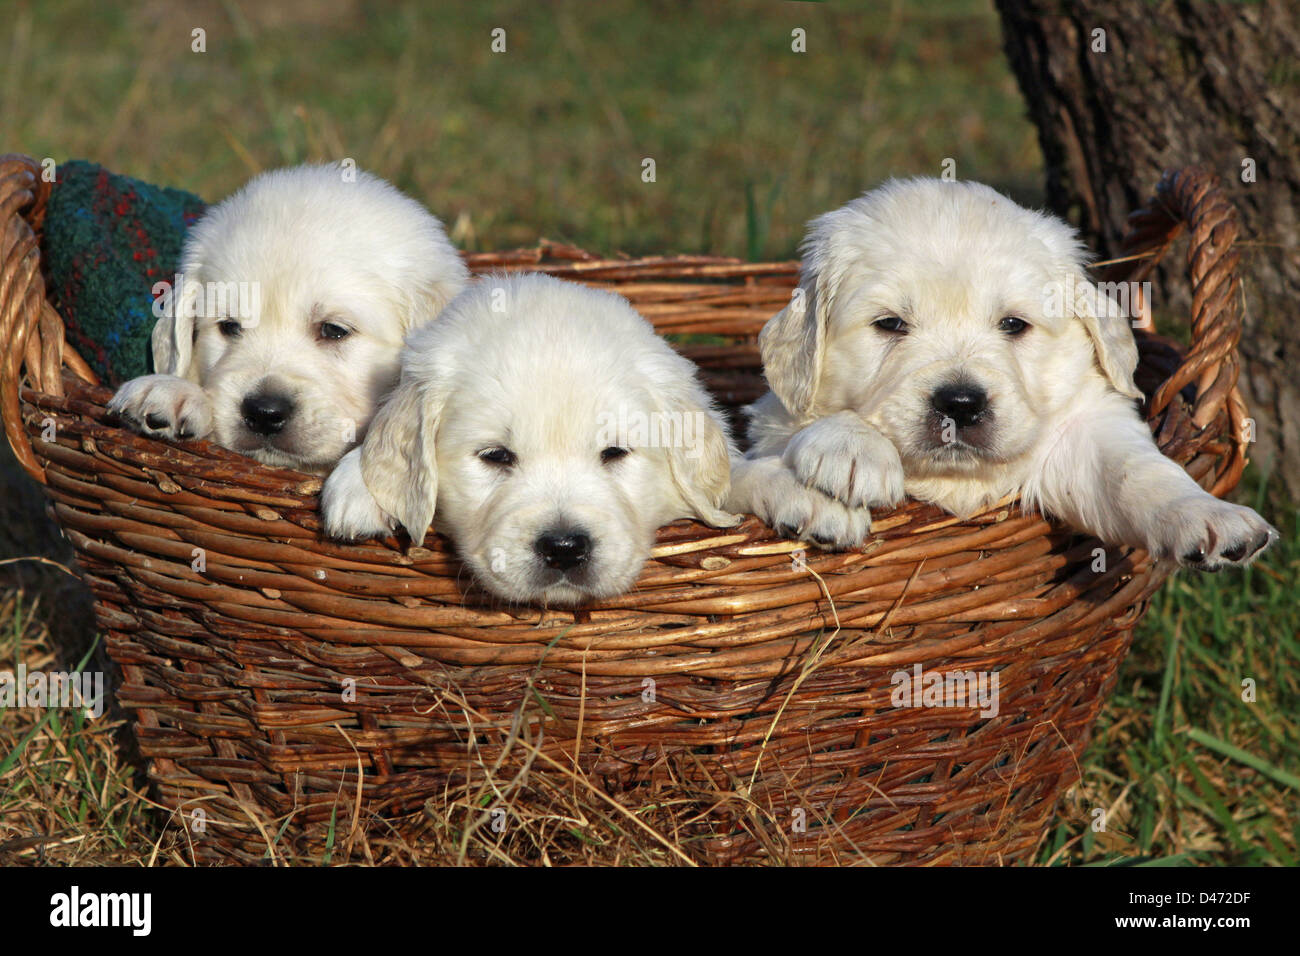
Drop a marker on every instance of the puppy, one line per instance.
(549, 430)
(945, 343)
(284, 327)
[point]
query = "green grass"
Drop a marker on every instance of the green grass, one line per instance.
(1187, 770)
(68, 794)
(750, 139)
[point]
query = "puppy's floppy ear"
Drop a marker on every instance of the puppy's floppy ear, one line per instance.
(1110, 331)
(793, 341)
(700, 465)
(432, 295)
(173, 334)
(399, 461)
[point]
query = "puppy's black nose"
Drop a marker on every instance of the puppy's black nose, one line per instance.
(266, 413)
(963, 403)
(563, 550)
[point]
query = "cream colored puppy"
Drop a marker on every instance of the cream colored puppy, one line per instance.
(945, 343)
(545, 428)
(284, 326)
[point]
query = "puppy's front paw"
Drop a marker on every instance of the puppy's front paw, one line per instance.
(845, 458)
(768, 489)
(1207, 534)
(164, 406)
(348, 509)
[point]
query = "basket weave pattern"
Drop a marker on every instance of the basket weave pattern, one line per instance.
(740, 665)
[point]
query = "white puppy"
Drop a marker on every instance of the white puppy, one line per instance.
(945, 343)
(285, 324)
(549, 430)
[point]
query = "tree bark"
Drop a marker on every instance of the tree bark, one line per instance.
(1175, 83)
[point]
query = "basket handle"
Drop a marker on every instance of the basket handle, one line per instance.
(1192, 200)
(31, 332)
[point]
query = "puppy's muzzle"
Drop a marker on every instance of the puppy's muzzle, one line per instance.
(563, 550)
(963, 402)
(266, 413)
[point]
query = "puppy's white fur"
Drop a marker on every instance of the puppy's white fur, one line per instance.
(316, 249)
(554, 374)
(853, 421)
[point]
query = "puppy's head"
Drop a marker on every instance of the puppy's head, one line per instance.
(955, 321)
(552, 432)
(294, 297)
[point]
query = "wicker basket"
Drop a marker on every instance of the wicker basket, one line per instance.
(739, 697)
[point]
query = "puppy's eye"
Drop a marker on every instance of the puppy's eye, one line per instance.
(1013, 325)
(891, 323)
(332, 331)
(612, 453)
(230, 328)
(502, 457)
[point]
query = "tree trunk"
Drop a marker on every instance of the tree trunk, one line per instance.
(1176, 83)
